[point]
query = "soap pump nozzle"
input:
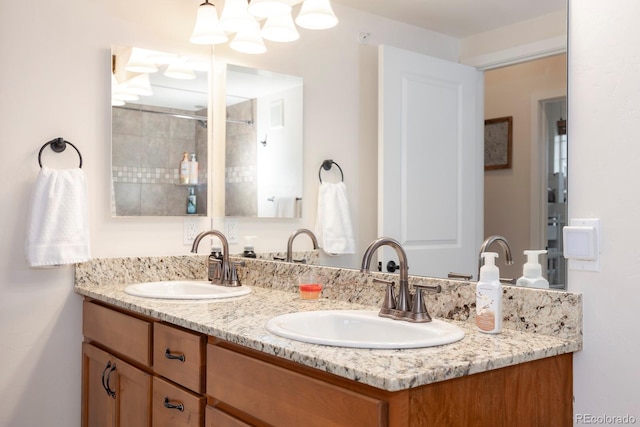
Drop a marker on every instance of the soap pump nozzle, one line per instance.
(489, 272)
(532, 267)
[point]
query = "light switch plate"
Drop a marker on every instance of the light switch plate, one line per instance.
(581, 241)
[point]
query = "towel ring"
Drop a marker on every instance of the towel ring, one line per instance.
(58, 145)
(326, 165)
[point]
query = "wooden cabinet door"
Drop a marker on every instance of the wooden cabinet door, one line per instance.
(114, 393)
(132, 388)
(98, 406)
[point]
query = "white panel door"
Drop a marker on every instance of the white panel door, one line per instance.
(431, 161)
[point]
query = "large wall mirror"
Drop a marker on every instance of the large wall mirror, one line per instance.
(263, 160)
(159, 118)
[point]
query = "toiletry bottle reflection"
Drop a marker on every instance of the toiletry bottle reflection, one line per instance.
(191, 201)
(193, 169)
(184, 168)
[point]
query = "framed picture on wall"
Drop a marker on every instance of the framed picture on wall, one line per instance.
(498, 143)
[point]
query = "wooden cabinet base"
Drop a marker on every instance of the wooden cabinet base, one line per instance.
(247, 383)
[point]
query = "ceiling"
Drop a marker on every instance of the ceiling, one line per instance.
(457, 18)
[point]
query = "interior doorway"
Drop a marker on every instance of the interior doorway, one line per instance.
(554, 141)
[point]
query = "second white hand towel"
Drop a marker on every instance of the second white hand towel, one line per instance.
(58, 227)
(333, 220)
(285, 207)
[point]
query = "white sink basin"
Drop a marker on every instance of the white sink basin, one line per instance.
(185, 290)
(362, 329)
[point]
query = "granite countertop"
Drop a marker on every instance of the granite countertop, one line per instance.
(242, 321)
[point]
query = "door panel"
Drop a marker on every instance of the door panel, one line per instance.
(431, 161)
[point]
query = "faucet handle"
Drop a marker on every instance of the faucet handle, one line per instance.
(389, 304)
(214, 267)
(233, 279)
(419, 313)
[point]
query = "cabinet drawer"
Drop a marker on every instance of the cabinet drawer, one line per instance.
(179, 355)
(188, 410)
(216, 418)
(119, 332)
(281, 397)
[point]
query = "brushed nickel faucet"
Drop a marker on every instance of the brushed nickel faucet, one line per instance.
(289, 257)
(219, 272)
(502, 241)
(405, 308)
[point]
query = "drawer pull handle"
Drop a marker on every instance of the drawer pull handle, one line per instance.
(169, 355)
(104, 372)
(111, 368)
(169, 405)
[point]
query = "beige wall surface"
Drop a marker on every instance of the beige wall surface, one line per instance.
(56, 82)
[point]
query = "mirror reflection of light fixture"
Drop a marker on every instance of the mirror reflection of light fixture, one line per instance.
(242, 17)
(180, 70)
(129, 81)
(139, 62)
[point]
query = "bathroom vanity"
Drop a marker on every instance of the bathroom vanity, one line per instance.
(214, 364)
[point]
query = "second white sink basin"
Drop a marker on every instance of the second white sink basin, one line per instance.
(362, 329)
(185, 290)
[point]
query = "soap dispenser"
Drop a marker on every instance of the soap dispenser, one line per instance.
(248, 247)
(489, 296)
(532, 271)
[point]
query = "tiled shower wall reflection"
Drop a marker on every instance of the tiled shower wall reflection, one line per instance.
(146, 151)
(241, 187)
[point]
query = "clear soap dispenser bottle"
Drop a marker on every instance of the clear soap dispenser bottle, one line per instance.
(532, 271)
(193, 169)
(489, 296)
(184, 168)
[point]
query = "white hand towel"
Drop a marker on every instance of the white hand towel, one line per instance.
(285, 207)
(58, 225)
(333, 220)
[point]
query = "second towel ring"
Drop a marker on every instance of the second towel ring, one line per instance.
(58, 145)
(326, 165)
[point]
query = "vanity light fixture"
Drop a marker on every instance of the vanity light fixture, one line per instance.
(244, 17)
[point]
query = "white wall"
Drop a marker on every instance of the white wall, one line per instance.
(603, 123)
(55, 82)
